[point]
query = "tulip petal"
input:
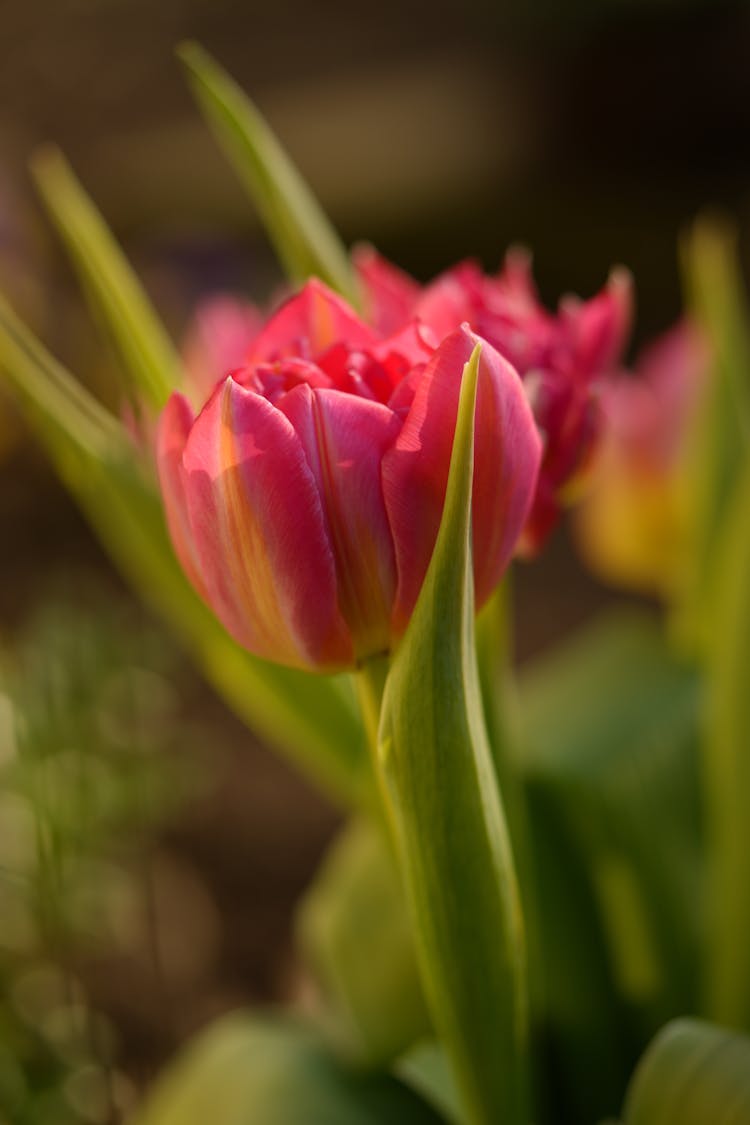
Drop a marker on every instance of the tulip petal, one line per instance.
(217, 341)
(598, 328)
(174, 427)
(345, 438)
(451, 299)
(514, 283)
(389, 294)
(414, 343)
(307, 324)
(259, 530)
(415, 471)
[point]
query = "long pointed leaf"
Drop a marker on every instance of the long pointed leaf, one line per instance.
(302, 235)
(449, 821)
(722, 434)
(151, 362)
(727, 771)
(51, 398)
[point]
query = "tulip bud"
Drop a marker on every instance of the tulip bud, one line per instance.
(304, 500)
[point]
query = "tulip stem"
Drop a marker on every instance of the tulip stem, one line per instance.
(370, 682)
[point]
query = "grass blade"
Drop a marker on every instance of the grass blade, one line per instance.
(303, 237)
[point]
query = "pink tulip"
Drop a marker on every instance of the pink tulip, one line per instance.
(633, 526)
(304, 500)
(217, 340)
(561, 358)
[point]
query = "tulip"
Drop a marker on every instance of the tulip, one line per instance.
(562, 358)
(633, 524)
(304, 500)
(219, 335)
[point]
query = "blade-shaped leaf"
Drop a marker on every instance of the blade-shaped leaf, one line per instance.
(150, 361)
(302, 235)
(449, 822)
(313, 719)
(494, 659)
(722, 435)
(49, 396)
(727, 770)
(274, 1072)
(693, 1073)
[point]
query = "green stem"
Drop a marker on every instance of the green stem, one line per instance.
(370, 684)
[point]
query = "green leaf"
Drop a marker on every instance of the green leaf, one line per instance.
(426, 1069)
(494, 660)
(449, 823)
(579, 1029)
(727, 771)
(304, 239)
(76, 425)
(611, 733)
(270, 1071)
(692, 1074)
(150, 361)
(313, 719)
(722, 436)
(355, 932)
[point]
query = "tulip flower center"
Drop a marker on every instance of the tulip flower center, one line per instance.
(355, 371)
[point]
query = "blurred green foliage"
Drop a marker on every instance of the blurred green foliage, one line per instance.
(88, 718)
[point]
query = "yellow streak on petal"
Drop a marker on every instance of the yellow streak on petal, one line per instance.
(357, 555)
(254, 580)
(322, 327)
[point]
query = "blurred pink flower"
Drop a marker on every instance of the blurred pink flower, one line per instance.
(217, 340)
(632, 524)
(561, 357)
(304, 500)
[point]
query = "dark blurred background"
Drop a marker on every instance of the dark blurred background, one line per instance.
(593, 132)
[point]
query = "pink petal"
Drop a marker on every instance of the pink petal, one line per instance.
(414, 343)
(217, 340)
(451, 300)
(599, 328)
(259, 530)
(515, 283)
(345, 438)
(172, 434)
(389, 293)
(307, 324)
(649, 415)
(415, 471)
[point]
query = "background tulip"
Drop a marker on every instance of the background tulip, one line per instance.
(304, 500)
(561, 357)
(632, 526)
(217, 340)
